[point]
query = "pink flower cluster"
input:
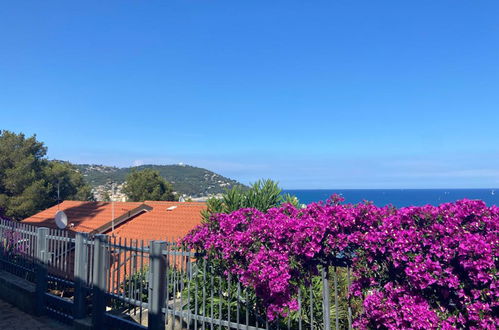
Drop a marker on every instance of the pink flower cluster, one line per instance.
(11, 243)
(415, 267)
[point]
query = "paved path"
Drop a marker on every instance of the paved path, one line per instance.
(15, 319)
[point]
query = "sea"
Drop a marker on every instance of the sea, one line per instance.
(398, 197)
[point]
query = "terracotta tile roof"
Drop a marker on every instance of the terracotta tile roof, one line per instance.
(166, 220)
(85, 216)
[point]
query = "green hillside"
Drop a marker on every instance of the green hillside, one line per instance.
(189, 180)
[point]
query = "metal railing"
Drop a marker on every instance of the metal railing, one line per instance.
(157, 284)
(201, 297)
(18, 249)
(127, 282)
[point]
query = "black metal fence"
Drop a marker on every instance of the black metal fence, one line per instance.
(18, 249)
(121, 283)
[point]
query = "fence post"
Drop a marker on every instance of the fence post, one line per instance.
(157, 285)
(80, 274)
(41, 268)
(325, 298)
(2, 235)
(100, 274)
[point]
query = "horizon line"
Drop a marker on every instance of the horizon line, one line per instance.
(291, 189)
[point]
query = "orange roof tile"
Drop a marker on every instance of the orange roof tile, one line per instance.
(159, 223)
(166, 221)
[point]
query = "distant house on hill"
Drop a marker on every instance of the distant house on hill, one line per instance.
(146, 221)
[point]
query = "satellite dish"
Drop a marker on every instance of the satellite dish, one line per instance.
(61, 219)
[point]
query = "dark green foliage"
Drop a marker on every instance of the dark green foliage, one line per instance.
(262, 195)
(189, 180)
(311, 298)
(148, 185)
(226, 296)
(290, 199)
(65, 177)
(28, 181)
(136, 287)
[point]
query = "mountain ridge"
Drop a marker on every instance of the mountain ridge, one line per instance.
(186, 179)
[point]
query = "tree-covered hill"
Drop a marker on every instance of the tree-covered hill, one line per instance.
(189, 180)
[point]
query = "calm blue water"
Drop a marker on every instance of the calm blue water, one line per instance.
(399, 197)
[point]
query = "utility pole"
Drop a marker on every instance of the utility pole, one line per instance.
(112, 206)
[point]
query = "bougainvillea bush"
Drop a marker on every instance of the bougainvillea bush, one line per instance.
(11, 243)
(416, 267)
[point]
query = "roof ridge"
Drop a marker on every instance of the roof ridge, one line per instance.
(122, 218)
(177, 202)
(96, 202)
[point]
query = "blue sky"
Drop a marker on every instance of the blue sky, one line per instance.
(314, 94)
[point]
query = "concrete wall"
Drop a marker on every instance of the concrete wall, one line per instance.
(18, 292)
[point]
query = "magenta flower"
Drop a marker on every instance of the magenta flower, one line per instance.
(416, 267)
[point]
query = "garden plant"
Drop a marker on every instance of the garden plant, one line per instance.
(432, 267)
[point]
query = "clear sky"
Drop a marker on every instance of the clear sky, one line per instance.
(314, 94)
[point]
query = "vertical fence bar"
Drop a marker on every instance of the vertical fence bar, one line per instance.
(196, 296)
(188, 278)
(136, 275)
(204, 293)
(22, 248)
(99, 281)
(33, 249)
(25, 250)
(238, 303)
(299, 310)
(175, 281)
(141, 288)
(80, 271)
(108, 278)
(220, 296)
(337, 316)
(125, 272)
(128, 285)
(89, 248)
(181, 281)
(187, 286)
(326, 310)
(112, 267)
(157, 288)
(22, 261)
(66, 254)
(212, 275)
(228, 298)
(174, 277)
(247, 308)
(311, 307)
(61, 253)
(2, 234)
(58, 252)
(2, 245)
(118, 268)
(41, 273)
(167, 270)
(348, 292)
(49, 249)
